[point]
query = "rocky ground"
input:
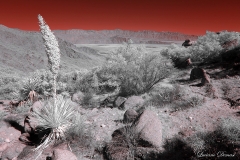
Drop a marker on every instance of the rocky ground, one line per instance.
(220, 100)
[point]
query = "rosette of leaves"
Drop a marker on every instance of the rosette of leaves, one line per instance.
(31, 84)
(56, 118)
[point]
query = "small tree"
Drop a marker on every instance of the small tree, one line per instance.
(137, 71)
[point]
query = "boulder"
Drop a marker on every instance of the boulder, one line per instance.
(131, 102)
(59, 154)
(205, 79)
(30, 121)
(149, 128)
(129, 116)
(77, 97)
(119, 101)
(197, 73)
(187, 43)
(30, 124)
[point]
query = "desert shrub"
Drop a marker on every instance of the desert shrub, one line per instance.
(79, 131)
(174, 98)
(30, 84)
(88, 82)
(197, 143)
(22, 110)
(166, 95)
(128, 71)
(175, 52)
(215, 143)
(107, 82)
(10, 91)
(9, 86)
(82, 135)
(188, 102)
(195, 101)
(41, 81)
(9, 79)
(96, 81)
(133, 71)
(226, 36)
(230, 128)
(222, 139)
(207, 48)
(78, 74)
(87, 98)
(72, 80)
(175, 148)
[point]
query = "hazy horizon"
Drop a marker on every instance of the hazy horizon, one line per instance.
(187, 17)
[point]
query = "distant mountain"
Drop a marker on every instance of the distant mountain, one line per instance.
(76, 36)
(23, 52)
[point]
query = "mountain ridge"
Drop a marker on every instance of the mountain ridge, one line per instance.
(78, 36)
(24, 51)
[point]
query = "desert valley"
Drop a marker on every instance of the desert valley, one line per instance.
(120, 95)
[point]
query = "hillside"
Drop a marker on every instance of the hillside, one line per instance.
(23, 51)
(118, 36)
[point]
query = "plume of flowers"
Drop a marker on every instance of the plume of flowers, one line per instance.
(51, 46)
(52, 50)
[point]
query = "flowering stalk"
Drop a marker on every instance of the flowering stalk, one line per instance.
(52, 51)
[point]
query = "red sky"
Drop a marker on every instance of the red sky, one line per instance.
(185, 16)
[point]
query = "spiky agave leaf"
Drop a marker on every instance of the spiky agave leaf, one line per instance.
(58, 118)
(30, 84)
(50, 116)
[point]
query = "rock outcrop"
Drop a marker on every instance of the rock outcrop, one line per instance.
(132, 102)
(149, 128)
(197, 73)
(129, 116)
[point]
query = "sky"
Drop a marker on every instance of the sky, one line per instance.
(193, 17)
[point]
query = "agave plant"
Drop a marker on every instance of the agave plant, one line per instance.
(57, 115)
(30, 85)
(58, 119)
